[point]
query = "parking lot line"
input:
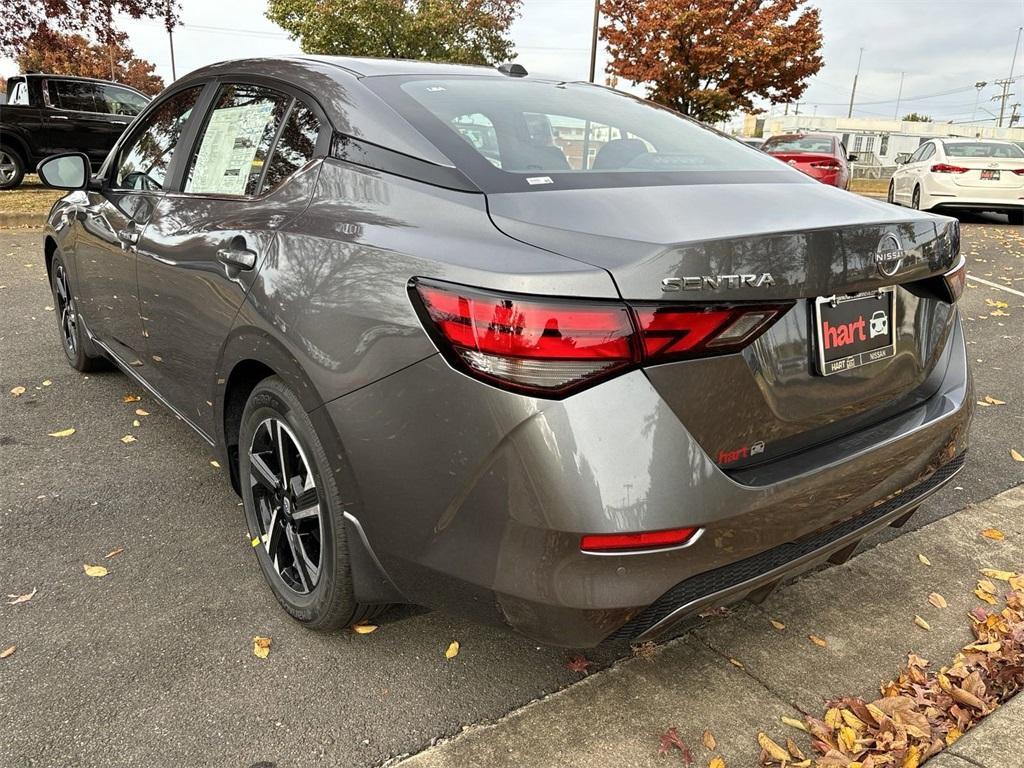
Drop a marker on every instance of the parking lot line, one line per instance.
(1014, 291)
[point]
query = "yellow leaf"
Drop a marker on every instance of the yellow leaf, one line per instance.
(19, 599)
(992, 401)
(452, 650)
(47, 383)
(1016, 455)
(94, 571)
(128, 439)
(912, 758)
(141, 412)
(364, 629)
(994, 533)
(921, 622)
(63, 432)
(983, 595)
(847, 739)
(937, 600)
(736, 663)
(716, 762)
(261, 647)
(793, 749)
(214, 463)
(952, 736)
(136, 423)
(794, 723)
(992, 647)
(777, 624)
(818, 640)
(131, 398)
(775, 752)
(113, 553)
(8, 651)
(853, 721)
(999, 575)
(988, 586)
(709, 740)
(832, 718)
(18, 391)
(924, 559)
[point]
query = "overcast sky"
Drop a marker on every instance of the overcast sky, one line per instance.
(942, 46)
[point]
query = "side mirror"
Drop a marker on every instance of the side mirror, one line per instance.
(67, 171)
(901, 158)
(852, 158)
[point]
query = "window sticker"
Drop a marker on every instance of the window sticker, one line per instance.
(232, 138)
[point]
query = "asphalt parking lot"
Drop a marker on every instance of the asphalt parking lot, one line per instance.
(152, 665)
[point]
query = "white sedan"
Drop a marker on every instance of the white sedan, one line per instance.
(967, 174)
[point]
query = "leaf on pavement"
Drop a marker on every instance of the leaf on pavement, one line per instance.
(989, 400)
(128, 439)
(113, 553)
(136, 423)
(820, 641)
(988, 586)
(716, 762)
(924, 559)
(994, 533)
(17, 391)
(792, 722)
(983, 595)
(131, 398)
(214, 463)
(18, 599)
(921, 622)
(793, 749)
(47, 382)
(261, 647)
(578, 664)
(998, 575)
(777, 624)
(937, 600)
(736, 663)
(452, 650)
(63, 432)
(1016, 455)
(94, 571)
(912, 758)
(709, 741)
(141, 412)
(8, 651)
(359, 629)
(773, 750)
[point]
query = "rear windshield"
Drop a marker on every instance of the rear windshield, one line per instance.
(981, 149)
(799, 144)
(510, 135)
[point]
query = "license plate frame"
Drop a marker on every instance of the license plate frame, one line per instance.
(857, 318)
(987, 174)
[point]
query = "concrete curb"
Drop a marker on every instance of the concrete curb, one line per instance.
(737, 675)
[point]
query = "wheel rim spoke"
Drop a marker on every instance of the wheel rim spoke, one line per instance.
(263, 474)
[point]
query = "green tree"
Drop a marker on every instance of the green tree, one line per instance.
(914, 117)
(463, 31)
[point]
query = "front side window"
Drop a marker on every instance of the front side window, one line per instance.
(295, 147)
(143, 161)
(232, 150)
(121, 101)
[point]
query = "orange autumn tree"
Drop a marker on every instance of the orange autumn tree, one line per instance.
(709, 58)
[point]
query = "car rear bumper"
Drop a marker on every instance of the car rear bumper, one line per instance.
(474, 500)
(944, 193)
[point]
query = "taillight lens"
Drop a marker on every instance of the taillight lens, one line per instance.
(551, 347)
(623, 542)
(1019, 171)
(827, 165)
(946, 168)
(956, 280)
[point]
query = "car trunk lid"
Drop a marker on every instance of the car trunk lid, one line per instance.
(811, 163)
(987, 173)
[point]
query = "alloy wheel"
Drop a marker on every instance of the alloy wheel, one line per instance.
(288, 507)
(66, 311)
(8, 167)
(915, 202)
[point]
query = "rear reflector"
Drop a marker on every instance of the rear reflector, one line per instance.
(618, 542)
(828, 165)
(955, 280)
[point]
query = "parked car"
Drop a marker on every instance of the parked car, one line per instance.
(752, 141)
(819, 155)
(47, 114)
(584, 404)
(962, 174)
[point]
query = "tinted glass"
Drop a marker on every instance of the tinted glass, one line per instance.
(497, 129)
(295, 147)
(982, 149)
(76, 95)
(236, 140)
(143, 162)
(819, 144)
(121, 101)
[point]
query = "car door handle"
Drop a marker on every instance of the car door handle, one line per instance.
(128, 236)
(239, 258)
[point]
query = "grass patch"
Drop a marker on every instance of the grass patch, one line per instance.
(878, 186)
(30, 197)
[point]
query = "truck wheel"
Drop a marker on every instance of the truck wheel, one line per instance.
(12, 168)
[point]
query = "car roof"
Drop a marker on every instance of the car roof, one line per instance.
(73, 77)
(365, 66)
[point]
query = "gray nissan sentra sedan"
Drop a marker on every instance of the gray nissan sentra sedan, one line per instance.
(535, 352)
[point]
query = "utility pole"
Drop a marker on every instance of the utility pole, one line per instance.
(1014, 114)
(593, 40)
(1009, 80)
(170, 38)
(899, 95)
(979, 85)
(853, 91)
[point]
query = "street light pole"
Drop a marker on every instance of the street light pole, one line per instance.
(593, 40)
(979, 85)
(899, 95)
(853, 91)
(170, 38)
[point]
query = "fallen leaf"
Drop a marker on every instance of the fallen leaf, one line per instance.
(921, 622)
(17, 391)
(988, 586)
(131, 398)
(359, 629)
(984, 647)
(994, 533)
(912, 758)
(709, 741)
(575, 664)
(113, 553)
(818, 640)
(63, 432)
(777, 624)
(141, 412)
(670, 740)
(8, 651)
(1016, 455)
(982, 595)
(736, 663)
(94, 571)
(716, 762)
(989, 400)
(794, 723)
(128, 439)
(775, 752)
(261, 647)
(924, 559)
(937, 600)
(453, 650)
(793, 749)
(47, 383)
(215, 463)
(136, 423)
(18, 599)
(998, 575)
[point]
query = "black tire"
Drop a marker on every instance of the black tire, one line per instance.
(1016, 217)
(81, 353)
(891, 196)
(12, 168)
(329, 603)
(915, 200)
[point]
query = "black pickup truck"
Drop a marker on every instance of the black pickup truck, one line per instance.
(46, 114)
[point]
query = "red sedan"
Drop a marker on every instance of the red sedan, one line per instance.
(819, 155)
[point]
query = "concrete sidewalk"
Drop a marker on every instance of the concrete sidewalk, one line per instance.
(737, 675)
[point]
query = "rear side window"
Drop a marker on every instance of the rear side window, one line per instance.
(295, 147)
(19, 93)
(235, 143)
(75, 95)
(144, 159)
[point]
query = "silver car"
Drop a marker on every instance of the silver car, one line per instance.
(535, 352)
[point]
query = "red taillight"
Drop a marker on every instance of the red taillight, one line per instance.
(550, 347)
(946, 168)
(1019, 171)
(828, 165)
(620, 542)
